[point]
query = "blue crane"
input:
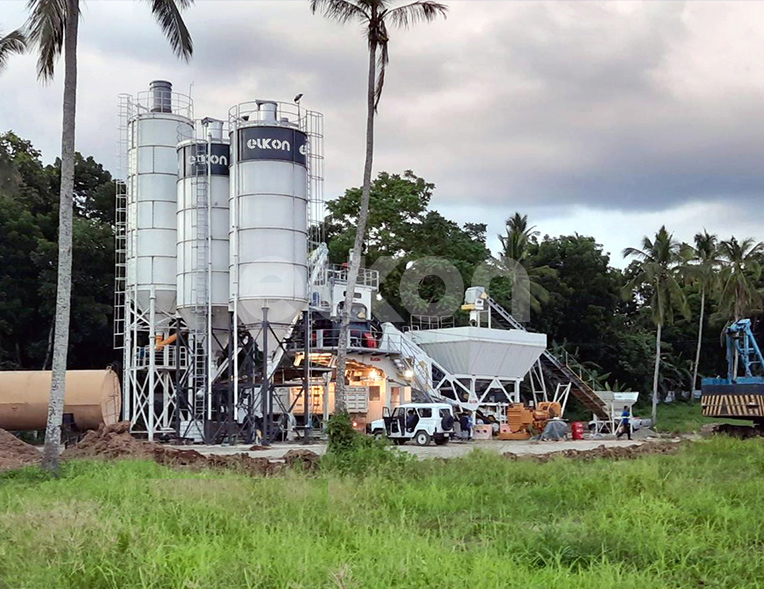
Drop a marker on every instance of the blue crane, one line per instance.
(741, 394)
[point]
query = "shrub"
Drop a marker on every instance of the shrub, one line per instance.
(350, 451)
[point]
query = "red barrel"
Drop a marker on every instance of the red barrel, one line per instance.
(577, 430)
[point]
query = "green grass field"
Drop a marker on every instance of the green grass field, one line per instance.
(684, 417)
(688, 520)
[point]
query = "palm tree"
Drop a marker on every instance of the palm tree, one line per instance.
(515, 243)
(53, 27)
(703, 271)
(374, 16)
(741, 269)
(518, 237)
(658, 262)
(13, 42)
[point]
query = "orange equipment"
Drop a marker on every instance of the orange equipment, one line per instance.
(524, 421)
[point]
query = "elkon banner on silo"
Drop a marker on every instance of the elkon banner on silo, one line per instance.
(273, 143)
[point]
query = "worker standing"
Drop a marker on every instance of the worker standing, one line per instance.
(464, 423)
(625, 427)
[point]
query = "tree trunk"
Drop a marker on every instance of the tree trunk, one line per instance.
(339, 384)
(64, 287)
(655, 374)
(49, 349)
(697, 350)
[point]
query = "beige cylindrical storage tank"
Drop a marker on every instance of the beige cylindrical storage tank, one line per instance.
(92, 397)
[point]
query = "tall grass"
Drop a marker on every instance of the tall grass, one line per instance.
(688, 520)
(682, 417)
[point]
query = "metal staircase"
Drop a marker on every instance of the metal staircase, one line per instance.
(411, 357)
(558, 372)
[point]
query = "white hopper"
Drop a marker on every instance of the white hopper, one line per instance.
(479, 351)
(615, 402)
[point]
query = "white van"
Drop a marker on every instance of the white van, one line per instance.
(421, 422)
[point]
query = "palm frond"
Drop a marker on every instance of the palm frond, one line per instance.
(13, 42)
(634, 252)
(415, 12)
(168, 14)
(342, 11)
(45, 29)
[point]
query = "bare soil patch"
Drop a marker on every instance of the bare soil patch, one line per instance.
(608, 452)
(114, 442)
(14, 453)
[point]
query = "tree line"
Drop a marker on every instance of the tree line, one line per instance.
(28, 255)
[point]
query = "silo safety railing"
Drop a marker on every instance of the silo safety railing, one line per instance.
(170, 357)
(366, 277)
(143, 103)
(289, 114)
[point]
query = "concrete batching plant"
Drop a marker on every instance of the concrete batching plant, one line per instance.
(227, 309)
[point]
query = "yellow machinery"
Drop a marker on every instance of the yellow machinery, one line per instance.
(525, 421)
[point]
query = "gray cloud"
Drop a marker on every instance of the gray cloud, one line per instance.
(506, 105)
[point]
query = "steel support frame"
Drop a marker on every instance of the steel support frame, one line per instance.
(149, 392)
(476, 401)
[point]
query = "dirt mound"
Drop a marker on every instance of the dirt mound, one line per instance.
(644, 433)
(742, 432)
(612, 452)
(305, 458)
(110, 442)
(14, 453)
(114, 442)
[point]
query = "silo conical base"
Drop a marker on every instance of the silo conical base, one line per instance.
(281, 316)
(220, 324)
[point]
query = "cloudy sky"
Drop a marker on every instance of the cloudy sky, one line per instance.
(602, 118)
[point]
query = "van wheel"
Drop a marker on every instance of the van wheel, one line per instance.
(422, 438)
(378, 433)
(441, 441)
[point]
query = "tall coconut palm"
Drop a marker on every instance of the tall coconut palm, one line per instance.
(658, 263)
(374, 16)
(741, 269)
(517, 237)
(515, 244)
(53, 27)
(13, 42)
(702, 269)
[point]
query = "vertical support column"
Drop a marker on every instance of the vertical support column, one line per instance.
(152, 366)
(127, 362)
(266, 385)
(233, 372)
(327, 380)
(306, 374)
(180, 403)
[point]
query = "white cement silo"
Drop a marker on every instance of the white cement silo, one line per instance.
(203, 225)
(269, 201)
(160, 120)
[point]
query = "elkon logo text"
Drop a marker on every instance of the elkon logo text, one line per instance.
(202, 159)
(268, 143)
